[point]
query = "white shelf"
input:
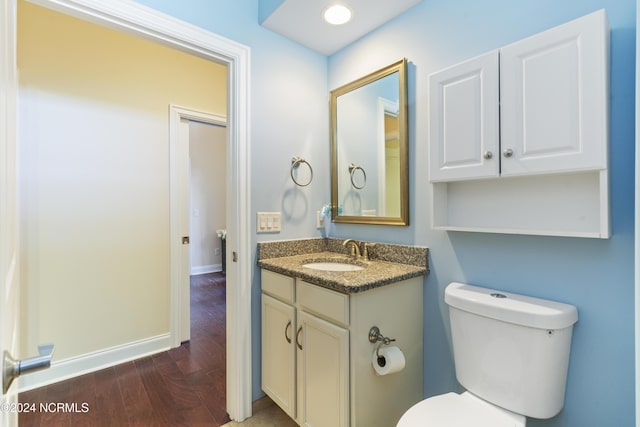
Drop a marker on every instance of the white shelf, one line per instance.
(572, 205)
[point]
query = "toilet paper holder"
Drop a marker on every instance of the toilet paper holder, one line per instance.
(376, 336)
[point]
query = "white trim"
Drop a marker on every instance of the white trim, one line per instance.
(141, 21)
(9, 219)
(204, 269)
(178, 112)
(95, 361)
(384, 107)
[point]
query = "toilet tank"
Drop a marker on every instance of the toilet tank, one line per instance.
(509, 349)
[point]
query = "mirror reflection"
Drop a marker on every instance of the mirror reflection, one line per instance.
(369, 176)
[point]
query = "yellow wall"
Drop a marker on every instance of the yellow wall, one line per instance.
(94, 159)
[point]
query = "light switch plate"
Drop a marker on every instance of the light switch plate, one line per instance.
(268, 222)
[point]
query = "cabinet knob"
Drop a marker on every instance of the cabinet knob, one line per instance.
(507, 152)
(488, 155)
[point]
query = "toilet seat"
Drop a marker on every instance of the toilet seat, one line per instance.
(459, 410)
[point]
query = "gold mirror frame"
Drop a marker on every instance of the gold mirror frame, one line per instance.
(399, 67)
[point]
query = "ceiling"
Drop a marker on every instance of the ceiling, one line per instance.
(301, 21)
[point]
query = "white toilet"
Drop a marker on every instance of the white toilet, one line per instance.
(511, 354)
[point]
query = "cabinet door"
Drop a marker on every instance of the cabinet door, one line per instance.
(553, 94)
(464, 120)
(324, 372)
(279, 353)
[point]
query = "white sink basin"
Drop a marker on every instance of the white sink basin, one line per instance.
(333, 266)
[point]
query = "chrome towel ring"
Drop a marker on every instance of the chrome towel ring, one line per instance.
(295, 163)
(352, 170)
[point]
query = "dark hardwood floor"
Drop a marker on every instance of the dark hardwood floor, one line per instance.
(184, 386)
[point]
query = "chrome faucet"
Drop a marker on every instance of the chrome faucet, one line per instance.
(355, 249)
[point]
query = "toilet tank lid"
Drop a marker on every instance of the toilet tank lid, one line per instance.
(512, 308)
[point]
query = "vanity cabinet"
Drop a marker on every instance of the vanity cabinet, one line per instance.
(537, 107)
(305, 350)
(317, 358)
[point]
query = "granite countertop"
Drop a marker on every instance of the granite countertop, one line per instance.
(377, 272)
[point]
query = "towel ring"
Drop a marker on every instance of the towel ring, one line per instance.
(352, 170)
(295, 163)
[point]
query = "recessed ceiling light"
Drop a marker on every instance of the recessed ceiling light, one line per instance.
(337, 14)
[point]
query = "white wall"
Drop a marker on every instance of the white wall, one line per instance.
(208, 187)
(94, 179)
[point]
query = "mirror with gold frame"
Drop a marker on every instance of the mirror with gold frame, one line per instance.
(369, 149)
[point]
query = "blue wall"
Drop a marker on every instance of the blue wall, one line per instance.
(595, 275)
(289, 116)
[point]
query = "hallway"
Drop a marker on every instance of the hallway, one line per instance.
(184, 386)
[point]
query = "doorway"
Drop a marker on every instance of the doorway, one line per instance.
(208, 187)
(199, 160)
(146, 23)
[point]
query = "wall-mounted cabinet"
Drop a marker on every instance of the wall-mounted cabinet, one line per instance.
(518, 137)
(464, 122)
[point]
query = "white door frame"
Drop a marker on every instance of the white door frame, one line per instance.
(9, 220)
(384, 107)
(178, 164)
(141, 21)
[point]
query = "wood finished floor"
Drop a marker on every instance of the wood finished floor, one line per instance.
(184, 386)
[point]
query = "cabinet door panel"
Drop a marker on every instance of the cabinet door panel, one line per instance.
(278, 353)
(324, 368)
(464, 117)
(553, 89)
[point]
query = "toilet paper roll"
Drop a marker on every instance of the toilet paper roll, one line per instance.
(389, 359)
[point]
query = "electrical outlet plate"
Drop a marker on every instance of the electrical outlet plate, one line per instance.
(319, 220)
(268, 222)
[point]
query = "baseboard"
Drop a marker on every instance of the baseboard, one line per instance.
(204, 269)
(90, 362)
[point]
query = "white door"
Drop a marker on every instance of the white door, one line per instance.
(9, 254)
(553, 89)
(464, 120)
(183, 168)
(324, 371)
